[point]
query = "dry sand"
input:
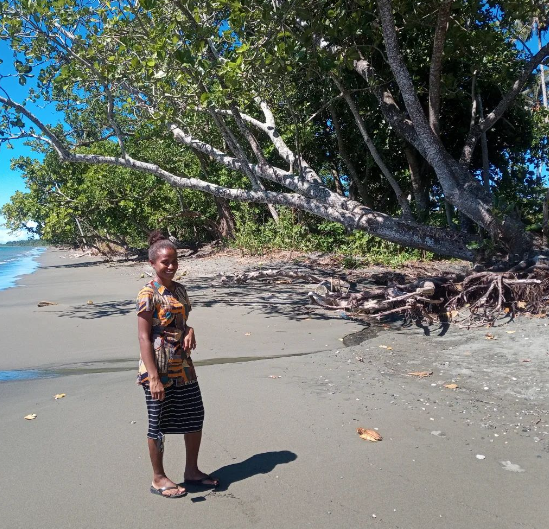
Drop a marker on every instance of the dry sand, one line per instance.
(286, 448)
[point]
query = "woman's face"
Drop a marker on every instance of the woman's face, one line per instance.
(165, 265)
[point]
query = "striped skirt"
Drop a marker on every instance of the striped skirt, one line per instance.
(180, 412)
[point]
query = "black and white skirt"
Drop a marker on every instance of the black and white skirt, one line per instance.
(181, 411)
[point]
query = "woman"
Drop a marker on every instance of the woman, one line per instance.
(166, 371)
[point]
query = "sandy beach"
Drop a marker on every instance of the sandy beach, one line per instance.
(286, 449)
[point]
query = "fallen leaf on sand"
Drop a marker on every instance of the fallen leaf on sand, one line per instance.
(360, 359)
(59, 396)
(247, 334)
(510, 332)
(420, 374)
(386, 347)
(451, 386)
(369, 435)
(526, 360)
(30, 417)
(489, 336)
(89, 302)
(506, 310)
(521, 304)
(46, 303)
(275, 376)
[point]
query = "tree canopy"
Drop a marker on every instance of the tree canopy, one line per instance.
(419, 123)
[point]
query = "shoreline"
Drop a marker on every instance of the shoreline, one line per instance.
(95, 299)
(24, 266)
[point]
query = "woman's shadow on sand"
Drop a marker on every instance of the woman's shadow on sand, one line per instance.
(258, 464)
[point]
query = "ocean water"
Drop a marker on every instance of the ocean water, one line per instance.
(16, 261)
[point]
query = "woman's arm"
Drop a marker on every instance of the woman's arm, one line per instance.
(144, 327)
(189, 340)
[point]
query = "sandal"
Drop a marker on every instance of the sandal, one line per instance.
(162, 489)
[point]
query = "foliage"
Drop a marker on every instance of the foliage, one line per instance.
(28, 242)
(308, 235)
(82, 205)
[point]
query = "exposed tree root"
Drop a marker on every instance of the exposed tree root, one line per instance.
(304, 275)
(469, 300)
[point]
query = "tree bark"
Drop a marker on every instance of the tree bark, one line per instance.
(435, 72)
(337, 182)
(460, 187)
(237, 150)
(420, 188)
(400, 196)
(541, 68)
(484, 149)
(226, 224)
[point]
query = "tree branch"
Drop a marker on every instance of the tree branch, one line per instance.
(347, 159)
(491, 119)
(401, 198)
(435, 72)
(112, 119)
(398, 119)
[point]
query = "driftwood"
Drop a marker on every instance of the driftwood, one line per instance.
(46, 303)
(476, 299)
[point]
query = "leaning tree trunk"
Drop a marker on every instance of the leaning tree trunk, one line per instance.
(420, 188)
(226, 224)
(459, 186)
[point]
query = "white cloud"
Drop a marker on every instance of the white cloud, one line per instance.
(6, 235)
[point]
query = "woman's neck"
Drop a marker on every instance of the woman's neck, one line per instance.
(167, 284)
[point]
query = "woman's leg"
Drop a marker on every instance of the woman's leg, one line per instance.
(155, 440)
(192, 472)
(160, 479)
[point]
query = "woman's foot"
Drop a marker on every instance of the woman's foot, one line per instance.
(199, 478)
(167, 488)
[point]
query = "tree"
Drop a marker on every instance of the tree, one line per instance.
(223, 80)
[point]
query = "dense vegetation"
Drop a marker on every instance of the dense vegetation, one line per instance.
(307, 125)
(30, 242)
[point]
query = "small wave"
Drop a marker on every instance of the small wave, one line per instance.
(15, 266)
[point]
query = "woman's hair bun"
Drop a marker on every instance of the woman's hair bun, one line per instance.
(155, 236)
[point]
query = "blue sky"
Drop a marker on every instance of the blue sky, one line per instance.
(11, 181)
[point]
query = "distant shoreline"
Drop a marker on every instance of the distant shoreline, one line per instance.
(17, 263)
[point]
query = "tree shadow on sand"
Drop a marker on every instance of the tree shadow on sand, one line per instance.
(257, 464)
(99, 310)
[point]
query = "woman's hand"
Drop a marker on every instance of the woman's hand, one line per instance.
(157, 389)
(189, 340)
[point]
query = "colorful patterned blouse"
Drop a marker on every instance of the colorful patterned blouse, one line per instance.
(170, 310)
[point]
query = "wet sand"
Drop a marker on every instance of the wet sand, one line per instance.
(286, 448)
